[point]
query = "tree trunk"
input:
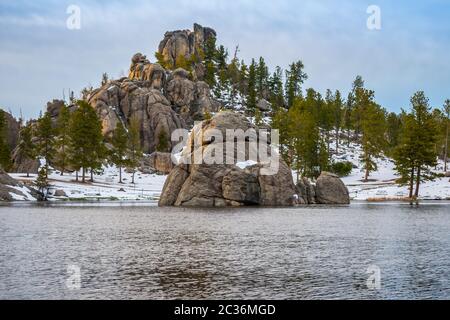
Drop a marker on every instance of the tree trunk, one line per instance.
(337, 141)
(366, 176)
(411, 184)
(446, 149)
(83, 172)
(120, 174)
(76, 176)
(92, 175)
(28, 173)
(132, 177)
(416, 194)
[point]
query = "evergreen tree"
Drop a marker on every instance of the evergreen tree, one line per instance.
(276, 88)
(393, 127)
(26, 147)
(326, 116)
(62, 139)
(447, 128)
(5, 152)
(295, 77)
(404, 153)
(134, 151)
(42, 184)
(416, 152)
(86, 148)
(45, 137)
(426, 131)
(251, 90)
(349, 116)
(262, 79)
(209, 62)
(372, 127)
(338, 106)
(119, 151)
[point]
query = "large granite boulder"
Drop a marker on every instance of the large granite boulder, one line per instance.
(235, 183)
(184, 43)
(331, 190)
(13, 190)
(123, 100)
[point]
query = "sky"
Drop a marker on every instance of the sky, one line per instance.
(41, 59)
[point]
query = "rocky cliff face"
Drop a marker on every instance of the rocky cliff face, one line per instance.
(161, 100)
(184, 43)
(13, 130)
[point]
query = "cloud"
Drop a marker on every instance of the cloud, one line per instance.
(41, 57)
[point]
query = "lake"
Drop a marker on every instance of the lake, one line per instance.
(140, 251)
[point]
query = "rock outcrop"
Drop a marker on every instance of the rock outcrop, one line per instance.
(13, 190)
(221, 185)
(331, 190)
(12, 132)
(184, 43)
(123, 100)
(189, 99)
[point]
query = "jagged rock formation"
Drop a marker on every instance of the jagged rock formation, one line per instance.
(13, 190)
(221, 185)
(189, 99)
(184, 43)
(12, 133)
(160, 100)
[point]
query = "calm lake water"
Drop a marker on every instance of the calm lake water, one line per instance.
(145, 252)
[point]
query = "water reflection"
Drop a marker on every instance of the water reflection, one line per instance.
(145, 252)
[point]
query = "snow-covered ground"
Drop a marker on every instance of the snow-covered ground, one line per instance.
(382, 184)
(104, 187)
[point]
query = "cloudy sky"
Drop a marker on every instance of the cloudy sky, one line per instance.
(40, 57)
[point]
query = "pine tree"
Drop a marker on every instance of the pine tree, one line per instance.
(45, 136)
(262, 79)
(295, 77)
(209, 62)
(62, 139)
(349, 111)
(447, 128)
(5, 152)
(326, 116)
(426, 131)
(86, 149)
(338, 106)
(251, 90)
(416, 152)
(42, 184)
(404, 153)
(372, 127)
(276, 88)
(134, 151)
(119, 151)
(26, 147)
